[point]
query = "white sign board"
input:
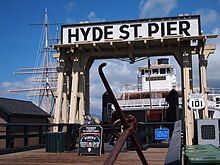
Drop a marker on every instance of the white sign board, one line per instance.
(131, 30)
(196, 101)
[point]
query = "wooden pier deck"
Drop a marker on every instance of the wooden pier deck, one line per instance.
(154, 156)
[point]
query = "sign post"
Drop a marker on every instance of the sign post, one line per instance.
(90, 140)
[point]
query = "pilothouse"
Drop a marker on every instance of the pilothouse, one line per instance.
(161, 76)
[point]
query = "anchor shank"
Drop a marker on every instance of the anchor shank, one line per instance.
(114, 101)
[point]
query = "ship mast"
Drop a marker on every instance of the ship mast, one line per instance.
(46, 59)
(45, 91)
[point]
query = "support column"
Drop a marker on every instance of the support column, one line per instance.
(74, 92)
(77, 99)
(81, 96)
(64, 102)
(203, 84)
(184, 58)
(187, 85)
(58, 101)
(203, 62)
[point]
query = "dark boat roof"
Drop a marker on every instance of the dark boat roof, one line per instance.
(20, 107)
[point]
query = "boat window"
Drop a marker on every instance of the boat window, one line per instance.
(147, 72)
(142, 72)
(162, 71)
(168, 70)
(155, 71)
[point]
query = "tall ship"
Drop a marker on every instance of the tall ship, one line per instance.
(43, 75)
(146, 99)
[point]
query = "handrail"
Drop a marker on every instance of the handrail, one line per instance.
(174, 154)
(16, 137)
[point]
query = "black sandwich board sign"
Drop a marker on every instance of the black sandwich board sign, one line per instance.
(90, 140)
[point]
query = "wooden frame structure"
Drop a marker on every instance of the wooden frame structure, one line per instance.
(75, 60)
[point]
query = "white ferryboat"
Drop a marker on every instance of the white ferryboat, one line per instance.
(214, 103)
(146, 100)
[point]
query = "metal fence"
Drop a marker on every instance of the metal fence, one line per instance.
(15, 137)
(22, 136)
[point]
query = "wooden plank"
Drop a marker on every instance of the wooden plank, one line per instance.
(154, 156)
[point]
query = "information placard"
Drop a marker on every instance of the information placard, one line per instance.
(162, 134)
(90, 140)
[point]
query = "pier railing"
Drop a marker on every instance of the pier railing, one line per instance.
(16, 137)
(174, 154)
(156, 103)
(22, 136)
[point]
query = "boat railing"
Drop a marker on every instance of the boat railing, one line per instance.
(214, 91)
(138, 88)
(130, 87)
(155, 102)
(211, 104)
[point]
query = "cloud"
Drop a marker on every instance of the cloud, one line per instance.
(69, 6)
(118, 73)
(208, 16)
(210, 20)
(93, 18)
(213, 68)
(5, 88)
(69, 21)
(156, 8)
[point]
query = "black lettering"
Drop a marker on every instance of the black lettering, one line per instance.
(135, 26)
(162, 29)
(108, 31)
(151, 30)
(122, 30)
(184, 27)
(85, 33)
(97, 33)
(196, 103)
(170, 28)
(70, 35)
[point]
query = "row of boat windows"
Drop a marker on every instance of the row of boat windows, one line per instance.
(155, 71)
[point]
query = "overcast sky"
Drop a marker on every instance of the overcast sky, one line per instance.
(20, 41)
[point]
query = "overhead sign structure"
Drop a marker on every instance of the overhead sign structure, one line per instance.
(131, 29)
